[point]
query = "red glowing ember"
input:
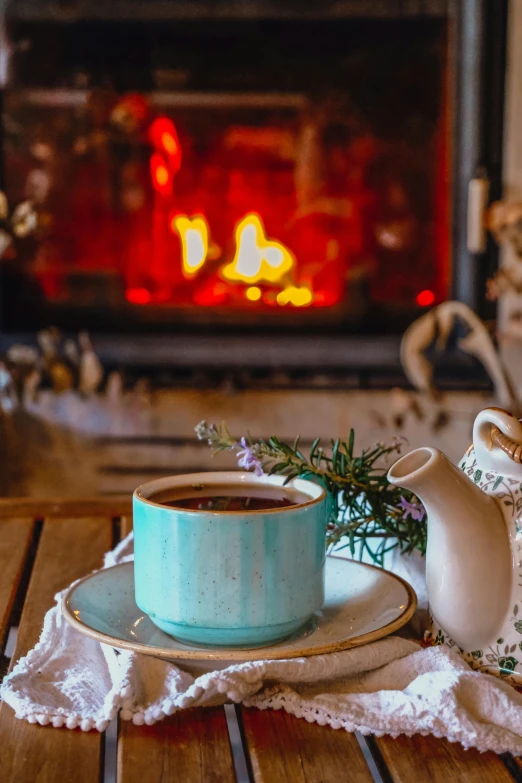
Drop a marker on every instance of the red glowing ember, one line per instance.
(425, 298)
(161, 176)
(139, 296)
(164, 138)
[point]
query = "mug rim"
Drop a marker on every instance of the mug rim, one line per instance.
(223, 477)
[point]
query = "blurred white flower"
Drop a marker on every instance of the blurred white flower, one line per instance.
(71, 351)
(42, 151)
(37, 185)
(24, 219)
(22, 354)
(5, 378)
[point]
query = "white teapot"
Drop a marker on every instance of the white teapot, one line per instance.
(474, 551)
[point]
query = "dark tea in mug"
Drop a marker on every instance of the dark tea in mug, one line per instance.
(229, 497)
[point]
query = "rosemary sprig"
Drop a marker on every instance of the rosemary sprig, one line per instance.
(367, 513)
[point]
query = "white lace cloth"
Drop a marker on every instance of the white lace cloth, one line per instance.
(389, 687)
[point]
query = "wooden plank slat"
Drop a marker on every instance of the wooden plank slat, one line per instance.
(514, 764)
(125, 525)
(15, 539)
(286, 749)
(29, 753)
(55, 508)
(191, 746)
(418, 758)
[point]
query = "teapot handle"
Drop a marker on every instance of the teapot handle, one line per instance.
(507, 444)
(497, 437)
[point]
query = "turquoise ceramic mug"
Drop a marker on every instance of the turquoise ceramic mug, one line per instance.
(232, 578)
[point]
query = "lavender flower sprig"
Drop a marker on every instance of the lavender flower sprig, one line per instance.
(367, 513)
(247, 459)
(412, 509)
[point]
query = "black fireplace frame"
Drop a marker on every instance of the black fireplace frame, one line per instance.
(477, 66)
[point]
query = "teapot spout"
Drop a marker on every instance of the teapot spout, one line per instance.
(420, 471)
(468, 558)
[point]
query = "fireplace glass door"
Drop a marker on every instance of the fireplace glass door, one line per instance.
(262, 172)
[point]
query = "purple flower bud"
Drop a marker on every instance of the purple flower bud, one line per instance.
(247, 459)
(414, 510)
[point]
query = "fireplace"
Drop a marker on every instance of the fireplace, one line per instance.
(290, 170)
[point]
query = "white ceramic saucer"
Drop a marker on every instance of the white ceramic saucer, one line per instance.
(363, 604)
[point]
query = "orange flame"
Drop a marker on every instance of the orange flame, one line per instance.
(161, 176)
(296, 296)
(193, 233)
(257, 258)
(164, 137)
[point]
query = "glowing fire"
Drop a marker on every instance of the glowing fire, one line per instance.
(257, 258)
(161, 176)
(164, 138)
(193, 233)
(253, 293)
(294, 295)
(138, 296)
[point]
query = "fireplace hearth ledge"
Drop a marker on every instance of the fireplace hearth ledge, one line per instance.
(286, 351)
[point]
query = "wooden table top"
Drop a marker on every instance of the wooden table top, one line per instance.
(45, 545)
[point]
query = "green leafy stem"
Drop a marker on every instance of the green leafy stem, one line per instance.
(366, 513)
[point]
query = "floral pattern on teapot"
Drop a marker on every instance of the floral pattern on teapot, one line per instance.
(505, 657)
